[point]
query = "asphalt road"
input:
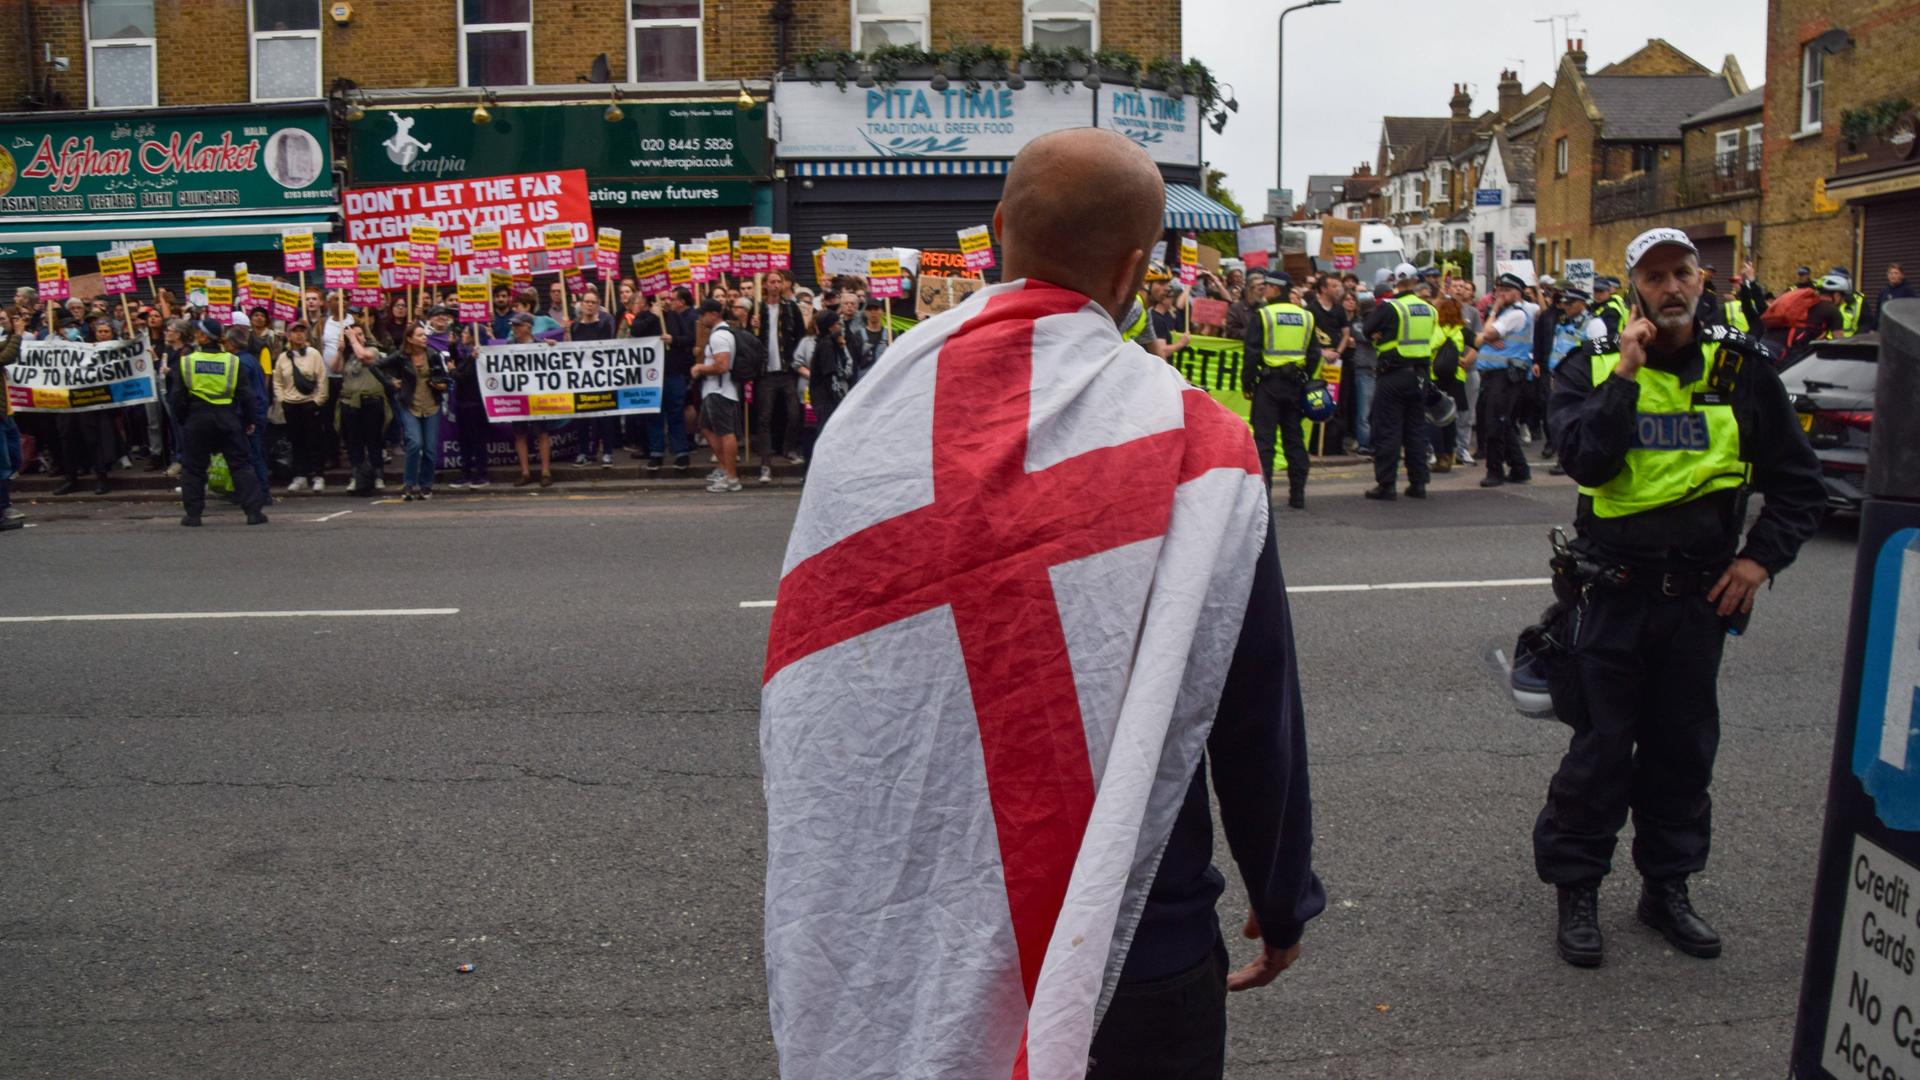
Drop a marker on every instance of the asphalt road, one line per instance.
(260, 847)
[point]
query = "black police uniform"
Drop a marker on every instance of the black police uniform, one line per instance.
(1638, 682)
(207, 429)
(1276, 403)
(1399, 405)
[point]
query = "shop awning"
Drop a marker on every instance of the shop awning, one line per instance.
(171, 236)
(1189, 208)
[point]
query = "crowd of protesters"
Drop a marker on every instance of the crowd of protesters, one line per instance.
(373, 387)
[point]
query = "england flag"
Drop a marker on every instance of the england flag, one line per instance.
(1006, 614)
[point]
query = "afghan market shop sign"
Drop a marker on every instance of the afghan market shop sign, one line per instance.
(395, 145)
(1166, 127)
(189, 166)
(913, 120)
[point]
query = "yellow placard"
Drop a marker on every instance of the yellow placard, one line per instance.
(297, 243)
(340, 256)
(286, 292)
(1189, 251)
(680, 272)
(472, 290)
(649, 263)
(883, 266)
(115, 262)
(557, 237)
(144, 252)
(549, 404)
(219, 292)
(49, 268)
(195, 280)
(367, 277)
(487, 239)
(608, 240)
(756, 241)
(694, 252)
(975, 239)
(499, 275)
(834, 240)
(402, 257)
(443, 254)
(424, 233)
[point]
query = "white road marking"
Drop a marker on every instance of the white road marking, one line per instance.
(1391, 586)
(157, 616)
(330, 517)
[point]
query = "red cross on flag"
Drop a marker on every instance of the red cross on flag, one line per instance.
(1008, 607)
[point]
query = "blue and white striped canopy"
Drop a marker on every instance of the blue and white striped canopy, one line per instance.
(1188, 208)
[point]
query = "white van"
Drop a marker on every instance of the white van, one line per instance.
(1379, 248)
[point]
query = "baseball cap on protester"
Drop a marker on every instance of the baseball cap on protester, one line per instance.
(1406, 272)
(521, 318)
(1653, 238)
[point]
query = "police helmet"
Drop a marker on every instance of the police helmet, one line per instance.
(1316, 401)
(1835, 283)
(1440, 408)
(1527, 681)
(1279, 280)
(1157, 272)
(208, 327)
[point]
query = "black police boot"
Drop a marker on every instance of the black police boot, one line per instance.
(191, 521)
(1416, 491)
(68, 487)
(1578, 938)
(1383, 493)
(256, 517)
(1664, 905)
(1297, 500)
(1492, 481)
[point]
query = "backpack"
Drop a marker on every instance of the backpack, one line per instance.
(749, 356)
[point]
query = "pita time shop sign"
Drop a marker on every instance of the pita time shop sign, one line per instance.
(521, 206)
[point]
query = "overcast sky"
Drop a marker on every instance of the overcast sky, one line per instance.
(1350, 64)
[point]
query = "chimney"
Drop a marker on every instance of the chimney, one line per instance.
(1577, 52)
(1461, 103)
(1510, 94)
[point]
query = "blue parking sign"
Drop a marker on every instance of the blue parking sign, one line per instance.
(1886, 744)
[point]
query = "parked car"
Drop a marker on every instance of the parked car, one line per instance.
(1832, 390)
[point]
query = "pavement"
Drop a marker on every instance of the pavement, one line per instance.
(262, 846)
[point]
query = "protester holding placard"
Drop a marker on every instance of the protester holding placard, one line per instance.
(679, 330)
(776, 395)
(300, 385)
(363, 407)
(600, 433)
(522, 328)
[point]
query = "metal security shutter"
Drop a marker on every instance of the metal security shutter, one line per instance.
(1891, 235)
(908, 212)
(680, 223)
(1717, 252)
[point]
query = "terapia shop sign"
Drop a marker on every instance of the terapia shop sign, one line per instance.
(187, 166)
(657, 154)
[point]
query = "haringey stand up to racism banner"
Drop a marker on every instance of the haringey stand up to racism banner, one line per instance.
(560, 381)
(71, 376)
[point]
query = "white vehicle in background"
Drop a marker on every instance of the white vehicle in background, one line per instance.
(1379, 248)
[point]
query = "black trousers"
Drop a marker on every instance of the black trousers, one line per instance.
(1400, 424)
(308, 439)
(776, 392)
(1276, 408)
(1500, 401)
(210, 430)
(1166, 1029)
(364, 426)
(88, 441)
(1640, 690)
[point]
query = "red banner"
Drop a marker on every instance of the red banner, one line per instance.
(520, 206)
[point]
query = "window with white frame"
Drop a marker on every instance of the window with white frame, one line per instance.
(1726, 152)
(496, 42)
(1060, 24)
(1560, 156)
(1755, 144)
(889, 22)
(1813, 84)
(120, 54)
(286, 49)
(666, 41)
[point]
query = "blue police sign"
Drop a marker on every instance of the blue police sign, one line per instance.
(1886, 741)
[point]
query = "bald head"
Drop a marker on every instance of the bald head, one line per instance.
(1081, 208)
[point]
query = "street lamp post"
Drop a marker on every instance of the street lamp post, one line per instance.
(1280, 94)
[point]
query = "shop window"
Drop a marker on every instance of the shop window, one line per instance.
(496, 42)
(1059, 24)
(666, 41)
(1560, 156)
(1813, 85)
(120, 53)
(889, 22)
(286, 49)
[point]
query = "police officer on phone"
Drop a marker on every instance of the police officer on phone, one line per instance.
(1666, 427)
(1283, 336)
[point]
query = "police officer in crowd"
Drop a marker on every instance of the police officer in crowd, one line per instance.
(1403, 329)
(1505, 363)
(1574, 327)
(1608, 305)
(1283, 335)
(1665, 427)
(209, 396)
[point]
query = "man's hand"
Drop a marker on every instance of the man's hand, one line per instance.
(1267, 966)
(1736, 588)
(1634, 339)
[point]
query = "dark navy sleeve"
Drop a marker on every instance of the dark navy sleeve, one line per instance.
(1258, 752)
(1786, 472)
(1594, 423)
(1382, 322)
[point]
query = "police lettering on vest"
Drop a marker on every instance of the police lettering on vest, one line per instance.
(1285, 328)
(1686, 438)
(212, 377)
(1413, 332)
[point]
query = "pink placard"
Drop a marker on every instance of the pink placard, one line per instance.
(886, 288)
